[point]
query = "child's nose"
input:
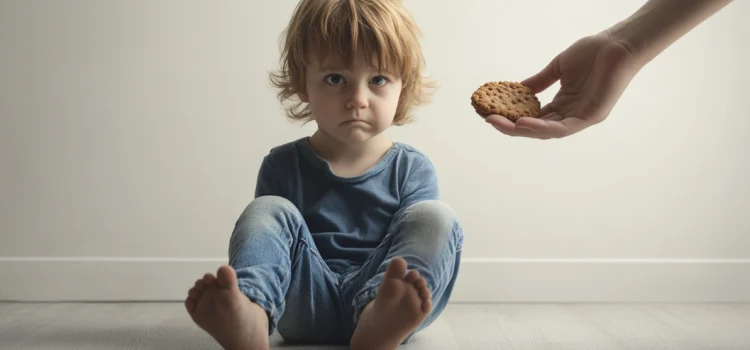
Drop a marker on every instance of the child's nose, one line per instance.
(358, 98)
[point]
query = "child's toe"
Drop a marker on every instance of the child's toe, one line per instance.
(412, 276)
(420, 283)
(200, 285)
(194, 293)
(421, 286)
(426, 304)
(190, 304)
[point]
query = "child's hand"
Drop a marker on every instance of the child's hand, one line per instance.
(593, 73)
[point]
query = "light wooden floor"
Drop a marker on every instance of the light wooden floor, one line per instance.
(163, 326)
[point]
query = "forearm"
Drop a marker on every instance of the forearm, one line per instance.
(659, 23)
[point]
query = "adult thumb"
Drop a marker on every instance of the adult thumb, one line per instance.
(544, 78)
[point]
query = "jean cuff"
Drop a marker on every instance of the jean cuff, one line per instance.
(361, 300)
(258, 298)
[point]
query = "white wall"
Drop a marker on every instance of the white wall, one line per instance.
(130, 138)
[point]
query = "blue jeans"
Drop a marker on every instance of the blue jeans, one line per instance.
(279, 268)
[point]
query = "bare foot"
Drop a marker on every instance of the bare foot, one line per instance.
(218, 307)
(402, 303)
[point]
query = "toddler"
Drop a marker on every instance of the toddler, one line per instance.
(346, 241)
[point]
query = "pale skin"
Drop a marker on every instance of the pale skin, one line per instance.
(352, 108)
(595, 70)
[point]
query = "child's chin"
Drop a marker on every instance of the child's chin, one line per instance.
(355, 138)
(354, 142)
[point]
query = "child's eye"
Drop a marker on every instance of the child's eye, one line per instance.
(379, 80)
(334, 79)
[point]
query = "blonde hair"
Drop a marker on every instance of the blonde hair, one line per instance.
(382, 28)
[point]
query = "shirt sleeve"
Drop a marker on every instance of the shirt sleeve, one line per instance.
(268, 182)
(421, 184)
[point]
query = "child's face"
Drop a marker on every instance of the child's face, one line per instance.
(351, 105)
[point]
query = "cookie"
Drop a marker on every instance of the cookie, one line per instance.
(508, 99)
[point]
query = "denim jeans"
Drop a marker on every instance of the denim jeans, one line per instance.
(279, 268)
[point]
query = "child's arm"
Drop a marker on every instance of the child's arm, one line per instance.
(421, 184)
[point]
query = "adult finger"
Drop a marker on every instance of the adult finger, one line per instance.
(549, 108)
(552, 128)
(555, 117)
(501, 123)
(509, 128)
(521, 132)
(570, 126)
(534, 124)
(505, 131)
(544, 78)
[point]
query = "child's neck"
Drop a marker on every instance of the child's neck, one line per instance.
(350, 160)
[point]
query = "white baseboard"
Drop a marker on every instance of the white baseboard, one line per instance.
(604, 280)
(480, 279)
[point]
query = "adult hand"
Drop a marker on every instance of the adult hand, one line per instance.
(593, 73)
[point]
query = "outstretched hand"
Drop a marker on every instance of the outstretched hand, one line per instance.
(593, 73)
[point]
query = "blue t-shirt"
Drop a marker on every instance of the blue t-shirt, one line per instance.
(347, 216)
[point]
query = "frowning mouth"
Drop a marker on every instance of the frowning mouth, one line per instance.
(354, 122)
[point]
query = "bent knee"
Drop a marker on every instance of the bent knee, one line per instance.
(434, 213)
(265, 214)
(432, 218)
(270, 204)
(432, 230)
(267, 209)
(262, 207)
